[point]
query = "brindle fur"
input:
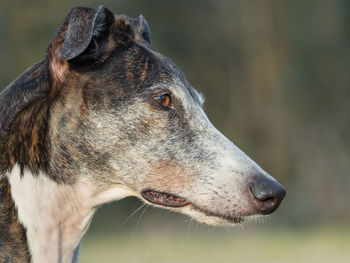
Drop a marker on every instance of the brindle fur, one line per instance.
(88, 107)
(13, 242)
(25, 108)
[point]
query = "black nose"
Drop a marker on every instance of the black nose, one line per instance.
(268, 192)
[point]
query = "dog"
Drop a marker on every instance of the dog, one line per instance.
(105, 116)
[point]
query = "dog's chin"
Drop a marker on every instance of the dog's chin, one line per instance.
(210, 218)
(182, 205)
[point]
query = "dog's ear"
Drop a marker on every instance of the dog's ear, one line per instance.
(141, 30)
(86, 27)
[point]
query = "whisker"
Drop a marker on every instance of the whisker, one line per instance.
(197, 226)
(140, 217)
(130, 216)
(189, 227)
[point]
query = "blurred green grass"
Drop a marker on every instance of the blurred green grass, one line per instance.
(330, 244)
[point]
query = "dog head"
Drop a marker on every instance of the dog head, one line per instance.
(125, 119)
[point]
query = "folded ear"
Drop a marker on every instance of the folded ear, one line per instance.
(85, 27)
(142, 31)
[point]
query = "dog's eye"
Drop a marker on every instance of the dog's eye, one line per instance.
(164, 100)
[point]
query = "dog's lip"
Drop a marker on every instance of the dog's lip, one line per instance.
(175, 201)
(231, 218)
(164, 198)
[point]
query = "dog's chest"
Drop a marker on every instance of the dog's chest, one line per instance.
(53, 215)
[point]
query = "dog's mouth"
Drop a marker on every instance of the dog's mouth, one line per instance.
(164, 199)
(227, 218)
(174, 201)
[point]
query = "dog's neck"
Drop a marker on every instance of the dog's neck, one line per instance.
(55, 216)
(43, 215)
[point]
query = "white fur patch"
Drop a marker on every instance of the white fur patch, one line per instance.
(56, 216)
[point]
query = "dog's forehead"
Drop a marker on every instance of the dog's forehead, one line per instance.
(145, 68)
(137, 69)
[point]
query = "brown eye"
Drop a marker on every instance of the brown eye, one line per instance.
(164, 100)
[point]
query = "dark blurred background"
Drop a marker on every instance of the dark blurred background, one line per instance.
(276, 77)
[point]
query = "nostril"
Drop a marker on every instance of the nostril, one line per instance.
(262, 194)
(268, 199)
(269, 193)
